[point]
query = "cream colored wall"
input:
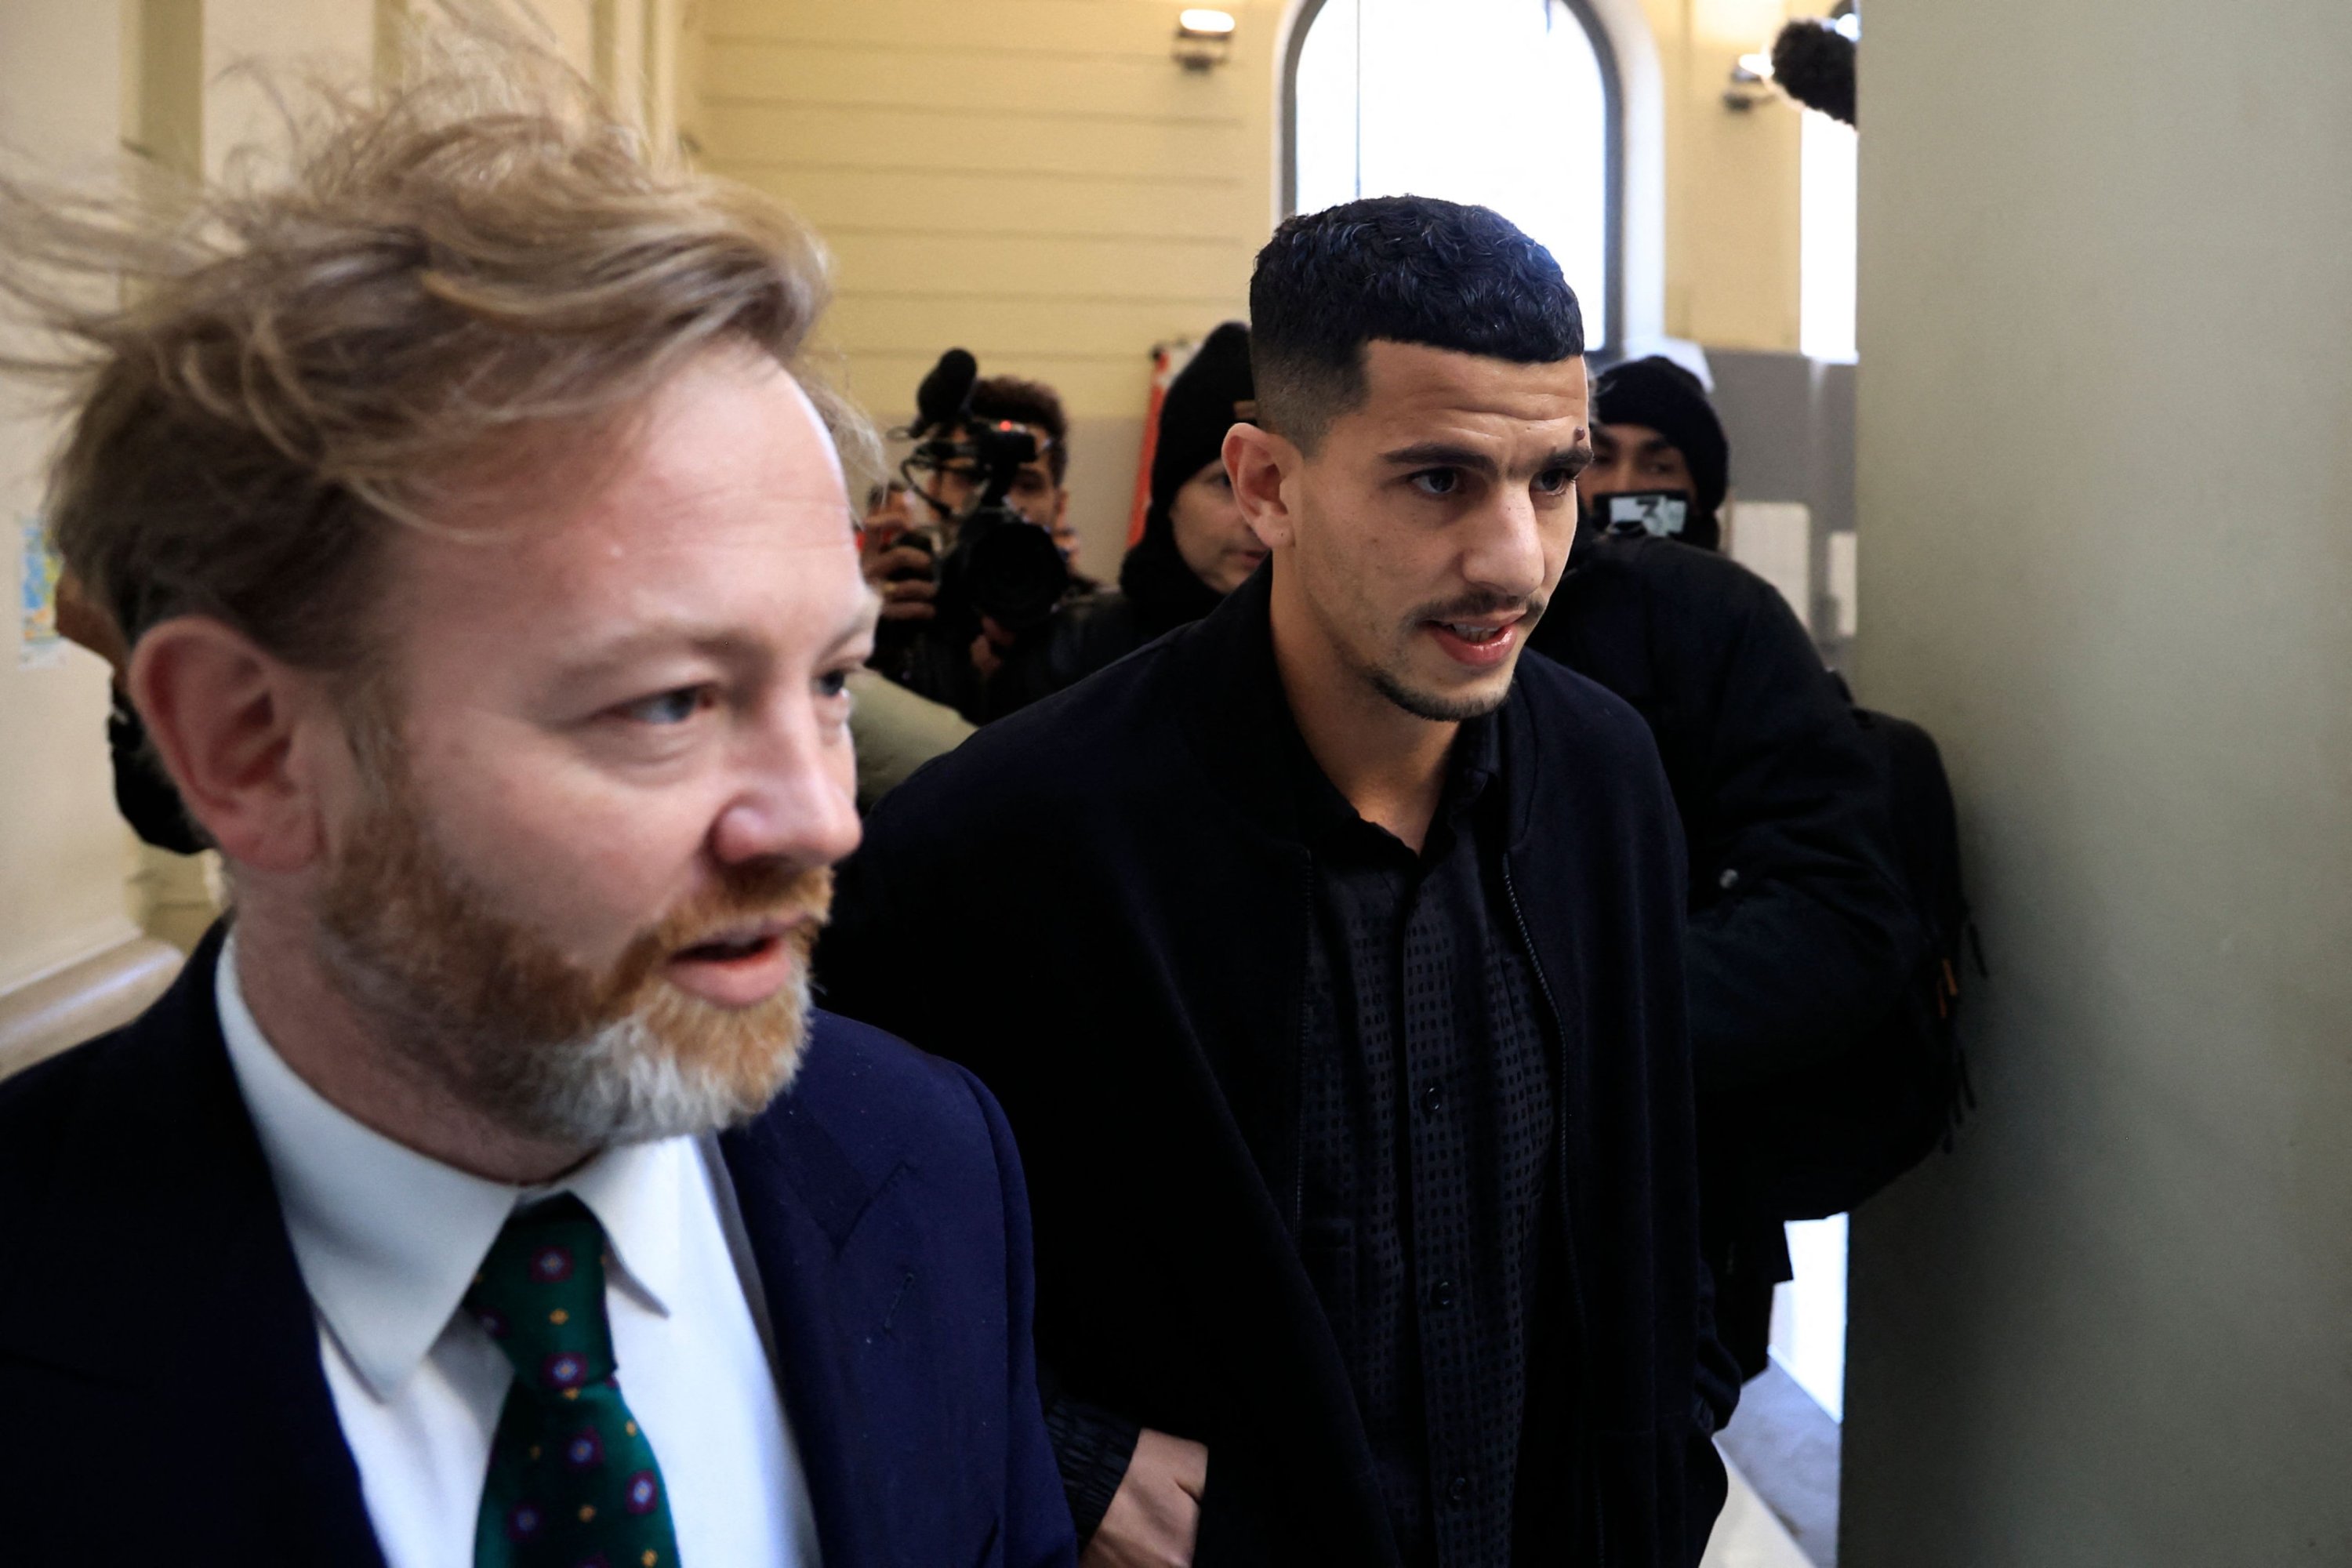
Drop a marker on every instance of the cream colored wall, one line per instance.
(1732, 177)
(64, 857)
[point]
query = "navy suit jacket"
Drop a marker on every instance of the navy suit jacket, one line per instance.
(160, 1393)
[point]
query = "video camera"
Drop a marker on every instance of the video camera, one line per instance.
(996, 562)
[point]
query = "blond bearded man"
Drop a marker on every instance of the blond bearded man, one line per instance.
(488, 1191)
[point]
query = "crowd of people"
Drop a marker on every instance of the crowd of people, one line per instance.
(1382, 969)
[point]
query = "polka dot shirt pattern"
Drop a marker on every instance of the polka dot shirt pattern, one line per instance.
(1428, 1146)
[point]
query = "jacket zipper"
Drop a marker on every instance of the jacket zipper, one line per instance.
(1575, 1266)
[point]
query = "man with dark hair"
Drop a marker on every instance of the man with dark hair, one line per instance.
(1660, 462)
(1331, 975)
(1040, 490)
(944, 489)
(978, 665)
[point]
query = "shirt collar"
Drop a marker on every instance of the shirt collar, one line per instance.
(1473, 763)
(388, 1239)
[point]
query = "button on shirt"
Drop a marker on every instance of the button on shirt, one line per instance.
(387, 1240)
(1428, 1149)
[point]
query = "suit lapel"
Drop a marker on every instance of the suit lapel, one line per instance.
(165, 1272)
(800, 1198)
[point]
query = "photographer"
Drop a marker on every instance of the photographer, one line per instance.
(970, 558)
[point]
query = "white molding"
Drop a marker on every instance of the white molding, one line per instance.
(72, 1004)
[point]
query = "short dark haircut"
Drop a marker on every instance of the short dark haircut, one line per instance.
(1027, 403)
(1407, 270)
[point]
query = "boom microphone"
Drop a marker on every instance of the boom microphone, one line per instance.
(939, 402)
(1813, 63)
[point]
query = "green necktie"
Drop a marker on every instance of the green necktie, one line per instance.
(573, 1482)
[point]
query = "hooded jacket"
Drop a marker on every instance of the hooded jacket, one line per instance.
(1101, 906)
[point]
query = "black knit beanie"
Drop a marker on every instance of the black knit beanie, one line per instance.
(1207, 398)
(1662, 394)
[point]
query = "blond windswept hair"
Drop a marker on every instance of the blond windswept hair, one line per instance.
(277, 371)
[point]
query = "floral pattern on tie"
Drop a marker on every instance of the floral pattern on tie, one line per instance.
(572, 1482)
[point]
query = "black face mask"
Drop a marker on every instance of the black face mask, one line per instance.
(143, 792)
(1664, 514)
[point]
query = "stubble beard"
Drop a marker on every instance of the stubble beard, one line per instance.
(535, 1042)
(1447, 708)
(1434, 706)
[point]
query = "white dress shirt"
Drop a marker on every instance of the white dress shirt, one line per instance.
(388, 1241)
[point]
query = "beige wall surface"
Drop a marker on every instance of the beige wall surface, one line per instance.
(2106, 477)
(1732, 185)
(1033, 179)
(283, 35)
(63, 854)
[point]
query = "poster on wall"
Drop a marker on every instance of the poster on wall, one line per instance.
(38, 647)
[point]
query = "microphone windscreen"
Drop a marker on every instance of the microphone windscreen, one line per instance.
(946, 389)
(1814, 64)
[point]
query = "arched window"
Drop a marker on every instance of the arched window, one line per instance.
(1509, 104)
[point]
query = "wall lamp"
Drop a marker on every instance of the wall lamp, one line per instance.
(1204, 40)
(1750, 75)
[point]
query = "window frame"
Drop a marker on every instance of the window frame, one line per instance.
(1612, 118)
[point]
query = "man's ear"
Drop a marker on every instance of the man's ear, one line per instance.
(1258, 461)
(222, 714)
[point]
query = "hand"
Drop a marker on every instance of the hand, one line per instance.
(986, 657)
(1155, 1516)
(879, 554)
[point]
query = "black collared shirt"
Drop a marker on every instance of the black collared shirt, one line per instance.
(1428, 1144)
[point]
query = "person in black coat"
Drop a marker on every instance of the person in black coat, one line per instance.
(1326, 957)
(1801, 937)
(1196, 546)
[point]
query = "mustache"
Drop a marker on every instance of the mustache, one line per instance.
(744, 894)
(1471, 606)
(753, 891)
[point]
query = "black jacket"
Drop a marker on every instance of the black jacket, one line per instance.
(1801, 939)
(1101, 906)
